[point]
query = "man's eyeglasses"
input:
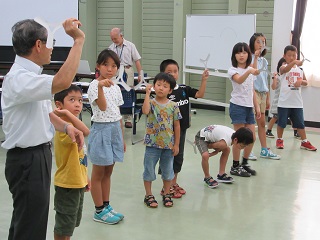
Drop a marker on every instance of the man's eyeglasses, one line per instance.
(45, 41)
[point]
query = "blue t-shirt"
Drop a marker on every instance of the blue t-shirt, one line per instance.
(261, 83)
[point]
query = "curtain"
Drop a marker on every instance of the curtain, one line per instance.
(301, 7)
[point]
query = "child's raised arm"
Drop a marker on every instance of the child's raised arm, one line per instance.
(287, 68)
(76, 122)
(61, 126)
(241, 78)
(101, 100)
(146, 102)
(203, 84)
(255, 60)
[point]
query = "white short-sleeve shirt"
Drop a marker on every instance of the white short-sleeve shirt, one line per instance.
(215, 133)
(242, 94)
(127, 53)
(114, 99)
(290, 96)
(26, 104)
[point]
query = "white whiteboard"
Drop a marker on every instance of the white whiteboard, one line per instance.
(52, 11)
(216, 35)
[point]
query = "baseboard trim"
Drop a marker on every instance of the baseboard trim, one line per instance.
(312, 124)
(207, 107)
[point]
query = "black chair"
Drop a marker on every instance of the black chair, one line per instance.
(130, 107)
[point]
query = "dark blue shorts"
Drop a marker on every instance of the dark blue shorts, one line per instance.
(241, 114)
(295, 114)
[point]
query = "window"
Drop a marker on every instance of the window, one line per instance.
(309, 43)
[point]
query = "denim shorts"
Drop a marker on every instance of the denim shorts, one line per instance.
(295, 115)
(68, 203)
(151, 158)
(105, 143)
(241, 115)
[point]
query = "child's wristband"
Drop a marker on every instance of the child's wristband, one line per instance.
(65, 128)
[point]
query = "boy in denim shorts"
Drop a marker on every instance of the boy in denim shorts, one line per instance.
(290, 102)
(162, 137)
(71, 179)
(220, 138)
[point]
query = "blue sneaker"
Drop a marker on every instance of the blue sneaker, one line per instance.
(106, 217)
(113, 212)
(266, 153)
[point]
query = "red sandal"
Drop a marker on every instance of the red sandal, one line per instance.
(173, 193)
(179, 189)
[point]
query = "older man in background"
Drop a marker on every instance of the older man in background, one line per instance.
(128, 55)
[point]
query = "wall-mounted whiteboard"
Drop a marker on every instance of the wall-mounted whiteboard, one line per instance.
(215, 36)
(52, 11)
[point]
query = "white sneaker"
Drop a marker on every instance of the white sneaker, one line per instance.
(252, 156)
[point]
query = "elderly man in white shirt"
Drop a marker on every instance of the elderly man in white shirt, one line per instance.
(29, 123)
(128, 54)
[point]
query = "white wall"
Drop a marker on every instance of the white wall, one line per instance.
(282, 24)
(311, 98)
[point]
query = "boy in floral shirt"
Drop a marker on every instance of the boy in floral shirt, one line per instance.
(162, 137)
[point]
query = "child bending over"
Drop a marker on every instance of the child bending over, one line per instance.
(220, 138)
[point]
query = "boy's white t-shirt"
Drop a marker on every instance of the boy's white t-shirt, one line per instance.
(290, 96)
(242, 94)
(215, 133)
(114, 100)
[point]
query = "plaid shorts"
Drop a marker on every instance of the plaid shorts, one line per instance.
(201, 143)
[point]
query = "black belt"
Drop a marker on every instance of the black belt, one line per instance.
(43, 145)
(261, 92)
(128, 66)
